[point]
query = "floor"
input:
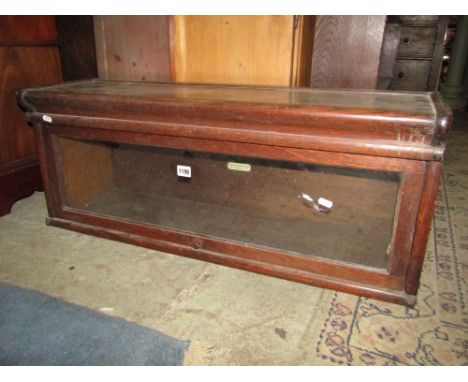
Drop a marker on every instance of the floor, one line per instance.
(233, 317)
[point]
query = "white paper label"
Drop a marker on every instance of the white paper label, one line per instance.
(325, 203)
(47, 118)
(184, 171)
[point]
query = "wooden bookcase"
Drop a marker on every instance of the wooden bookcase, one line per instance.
(330, 188)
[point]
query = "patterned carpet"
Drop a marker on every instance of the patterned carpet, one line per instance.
(361, 331)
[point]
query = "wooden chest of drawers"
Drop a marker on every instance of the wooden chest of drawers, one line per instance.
(330, 188)
(419, 55)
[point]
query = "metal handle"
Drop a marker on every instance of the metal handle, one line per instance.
(322, 205)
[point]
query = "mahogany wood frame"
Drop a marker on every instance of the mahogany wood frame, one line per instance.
(409, 141)
(397, 284)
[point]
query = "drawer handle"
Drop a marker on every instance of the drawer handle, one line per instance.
(406, 40)
(322, 205)
(400, 75)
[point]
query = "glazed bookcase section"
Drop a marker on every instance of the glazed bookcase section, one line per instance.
(258, 202)
(330, 188)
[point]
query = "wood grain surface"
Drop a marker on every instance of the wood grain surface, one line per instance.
(76, 47)
(389, 54)
(423, 226)
(347, 51)
(18, 30)
(133, 47)
(22, 67)
(411, 75)
(303, 50)
(377, 123)
(124, 193)
(86, 169)
(234, 49)
(28, 57)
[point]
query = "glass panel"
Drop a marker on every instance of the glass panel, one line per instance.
(334, 213)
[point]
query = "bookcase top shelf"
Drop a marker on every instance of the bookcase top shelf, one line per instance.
(412, 125)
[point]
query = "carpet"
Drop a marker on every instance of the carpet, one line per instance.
(360, 331)
(36, 329)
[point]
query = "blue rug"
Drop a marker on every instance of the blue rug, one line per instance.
(36, 329)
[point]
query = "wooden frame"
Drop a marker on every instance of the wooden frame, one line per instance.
(419, 176)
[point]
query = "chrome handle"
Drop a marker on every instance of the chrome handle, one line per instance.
(322, 205)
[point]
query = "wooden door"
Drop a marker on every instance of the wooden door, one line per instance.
(257, 50)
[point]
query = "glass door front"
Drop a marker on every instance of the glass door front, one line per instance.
(334, 213)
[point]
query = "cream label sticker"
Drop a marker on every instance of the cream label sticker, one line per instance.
(245, 167)
(184, 171)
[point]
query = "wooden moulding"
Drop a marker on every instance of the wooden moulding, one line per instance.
(246, 149)
(401, 125)
(405, 217)
(49, 165)
(306, 141)
(423, 226)
(345, 271)
(284, 272)
(236, 114)
(444, 120)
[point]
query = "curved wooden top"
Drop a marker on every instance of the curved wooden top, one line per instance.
(400, 124)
